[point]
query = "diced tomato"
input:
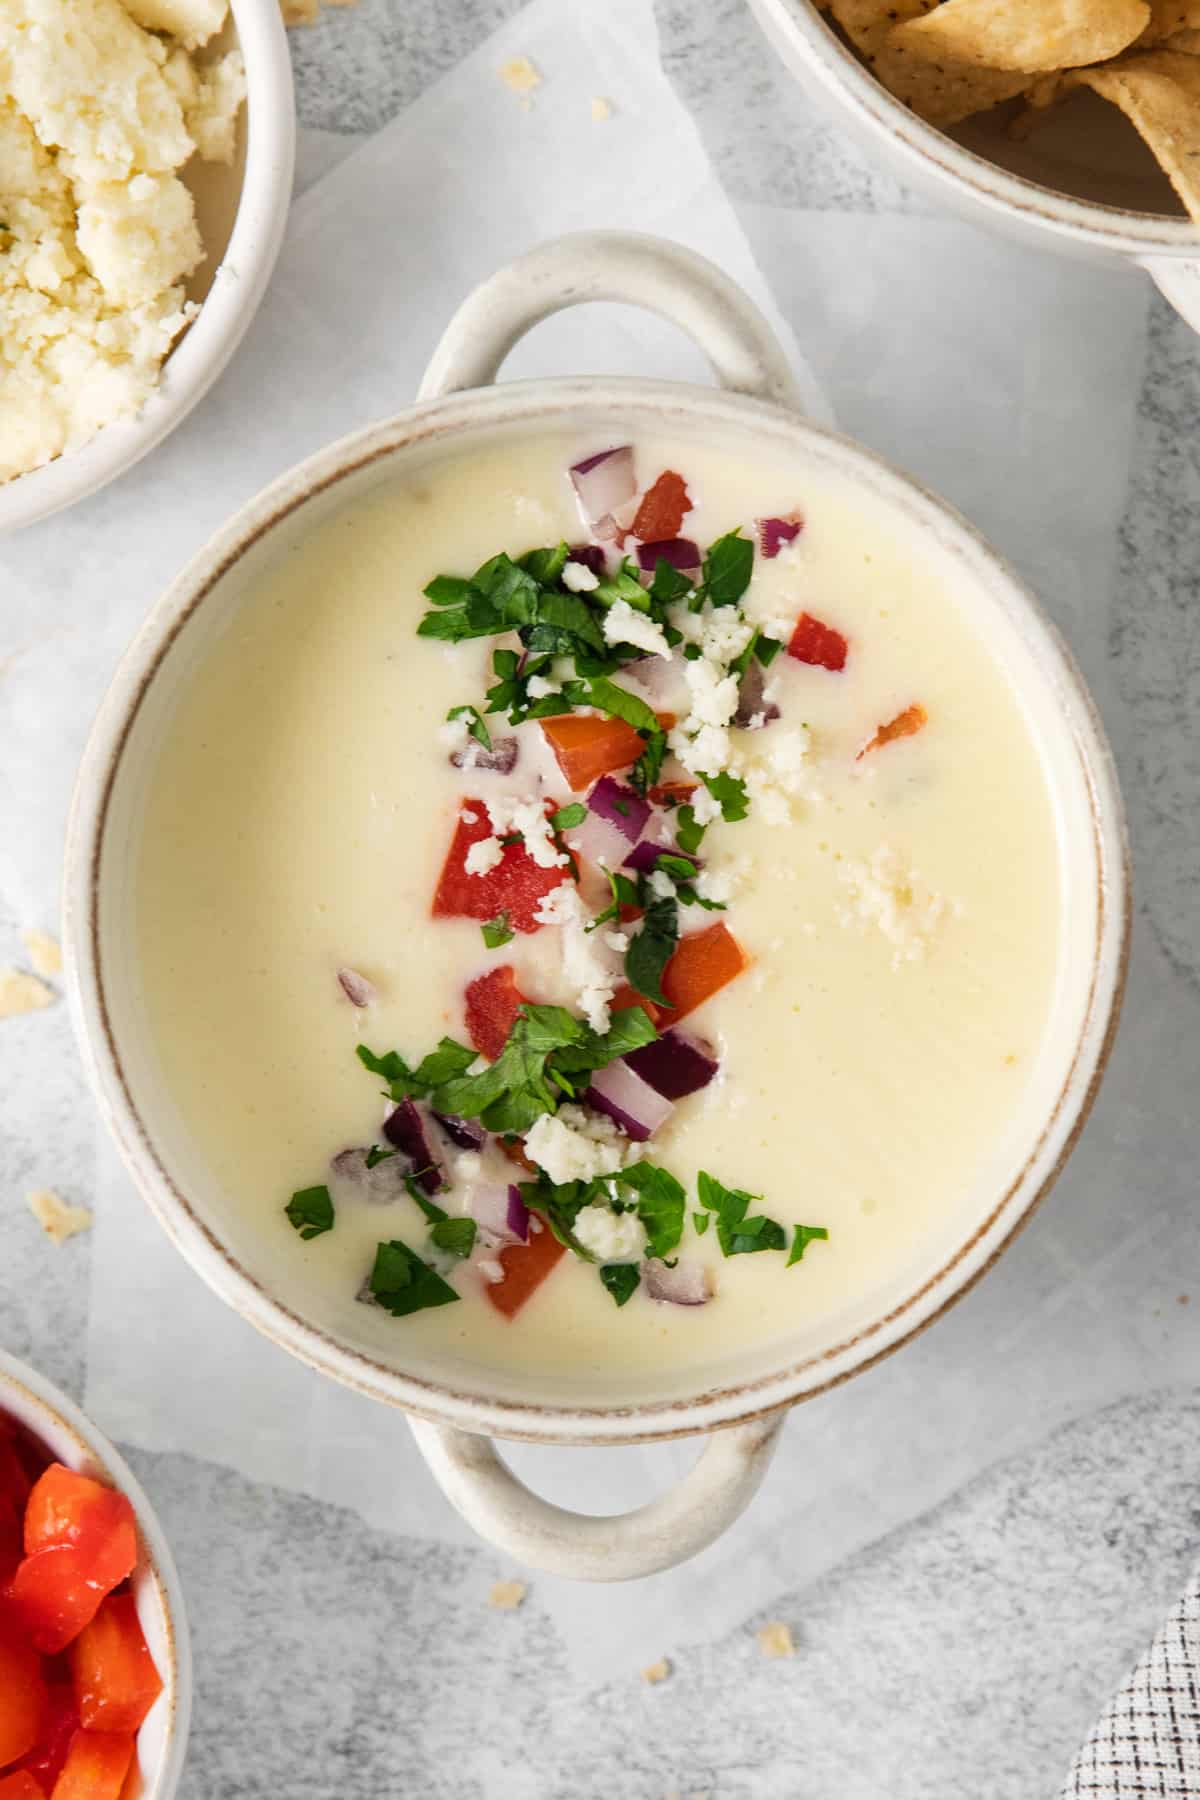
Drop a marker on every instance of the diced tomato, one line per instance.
(702, 962)
(525, 1267)
(662, 508)
(673, 793)
(46, 1759)
(116, 1682)
(53, 1595)
(818, 644)
(20, 1785)
(586, 746)
(96, 1766)
(23, 1697)
(492, 1002)
(905, 724)
(625, 997)
(517, 885)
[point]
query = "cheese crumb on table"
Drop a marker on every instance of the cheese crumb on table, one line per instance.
(21, 992)
(775, 1639)
(657, 1671)
(57, 1217)
(43, 951)
(519, 75)
(601, 109)
(506, 1596)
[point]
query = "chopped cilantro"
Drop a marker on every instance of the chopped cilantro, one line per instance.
(455, 1235)
(624, 893)
(803, 1237)
(688, 835)
(433, 1212)
(727, 569)
(619, 703)
(448, 1060)
(767, 649)
(738, 1234)
(729, 791)
(669, 583)
(701, 1220)
(545, 565)
(403, 1284)
(497, 931)
(651, 1192)
(311, 1211)
(567, 817)
(661, 1203)
(621, 1280)
(648, 767)
(377, 1154)
(679, 868)
(477, 729)
(651, 949)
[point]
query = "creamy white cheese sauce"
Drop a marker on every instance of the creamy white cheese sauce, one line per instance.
(904, 919)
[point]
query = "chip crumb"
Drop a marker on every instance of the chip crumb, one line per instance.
(21, 992)
(601, 109)
(1183, 1300)
(57, 1217)
(775, 1639)
(506, 1596)
(658, 1671)
(44, 952)
(519, 75)
(307, 12)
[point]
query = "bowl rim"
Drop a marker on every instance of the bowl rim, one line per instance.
(238, 286)
(533, 404)
(63, 1423)
(803, 32)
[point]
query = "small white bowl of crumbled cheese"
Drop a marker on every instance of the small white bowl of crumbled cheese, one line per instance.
(146, 151)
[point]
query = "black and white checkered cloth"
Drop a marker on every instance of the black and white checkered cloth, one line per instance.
(1148, 1741)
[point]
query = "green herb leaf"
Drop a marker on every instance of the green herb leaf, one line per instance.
(729, 791)
(446, 1063)
(628, 1030)
(478, 730)
(624, 585)
(567, 817)
(455, 1235)
(741, 663)
(403, 1284)
(688, 835)
(648, 767)
(767, 649)
(497, 931)
(669, 584)
(546, 566)
(377, 1154)
(651, 950)
(679, 868)
(624, 893)
(619, 703)
(621, 1280)
(448, 590)
(804, 1235)
(661, 1203)
(311, 1211)
(702, 1221)
(727, 569)
(392, 1066)
(738, 1234)
(433, 1212)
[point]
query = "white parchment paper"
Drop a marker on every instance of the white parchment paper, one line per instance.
(1007, 381)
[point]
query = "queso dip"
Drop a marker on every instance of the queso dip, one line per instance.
(600, 901)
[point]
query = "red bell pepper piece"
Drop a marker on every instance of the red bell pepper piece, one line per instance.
(116, 1682)
(702, 962)
(20, 1785)
(818, 644)
(905, 724)
(625, 997)
(662, 507)
(673, 793)
(525, 1267)
(23, 1697)
(54, 1594)
(587, 746)
(96, 1766)
(492, 1003)
(66, 1507)
(517, 885)
(45, 1761)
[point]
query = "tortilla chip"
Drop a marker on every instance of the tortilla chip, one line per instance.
(1169, 17)
(1159, 93)
(942, 92)
(1026, 36)
(1187, 43)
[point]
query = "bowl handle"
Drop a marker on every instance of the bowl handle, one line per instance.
(583, 1546)
(1178, 282)
(612, 265)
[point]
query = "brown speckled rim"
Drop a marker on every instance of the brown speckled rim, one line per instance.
(802, 37)
(72, 1438)
(528, 406)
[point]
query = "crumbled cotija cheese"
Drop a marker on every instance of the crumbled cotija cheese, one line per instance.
(623, 624)
(527, 818)
(701, 741)
(611, 1237)
(887, 894)
(96, 116)
(592, 977)
(571, 1146)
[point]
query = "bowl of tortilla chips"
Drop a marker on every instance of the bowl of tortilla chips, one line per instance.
(1072, 123)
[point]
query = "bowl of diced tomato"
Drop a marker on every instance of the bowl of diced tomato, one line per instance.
(95, 1679)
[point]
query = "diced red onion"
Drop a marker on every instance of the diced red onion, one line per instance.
(405, 1128)
(775, 535)
(674, 1065)
(751, 704)
(518, 1215)
(597, 841)
(687, 1284)
(501, 759)
(621, 806)
(644, 856)
(380, 1185)
(467, 1134)
(498, 1220)
(603, 483)
(663, 681)
(681, 553)
(357, 989)
(592, 556)
(628, 1101)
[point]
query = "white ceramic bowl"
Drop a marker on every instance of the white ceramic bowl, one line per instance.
(455, 1409)
(242, 211)
(1083, 185)
(72, 1439)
